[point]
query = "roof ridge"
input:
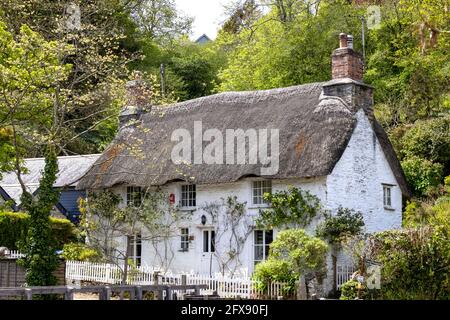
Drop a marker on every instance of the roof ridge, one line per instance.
(266, 93)
(65, 157)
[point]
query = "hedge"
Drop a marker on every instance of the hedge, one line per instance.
(14, 226)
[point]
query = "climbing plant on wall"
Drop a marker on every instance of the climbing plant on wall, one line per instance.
(292, 208)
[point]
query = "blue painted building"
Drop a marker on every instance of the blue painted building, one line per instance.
(71, 169)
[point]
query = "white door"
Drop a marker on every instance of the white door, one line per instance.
(208, 248)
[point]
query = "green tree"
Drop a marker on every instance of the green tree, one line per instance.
(287, 46)
(160, 21)
(99, 55)
(422, 175)
(40, 257)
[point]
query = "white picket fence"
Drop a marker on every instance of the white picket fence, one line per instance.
(226, 287)
(14, 254)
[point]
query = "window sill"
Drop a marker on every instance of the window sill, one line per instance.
(181, 250)
(188, 208)
(259, 206)
(389, 208)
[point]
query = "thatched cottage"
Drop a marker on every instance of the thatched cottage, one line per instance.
(329, 144)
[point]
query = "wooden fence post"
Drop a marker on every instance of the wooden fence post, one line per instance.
(168, 293)
(69, 294)
(133, 294)
(106, 293)
(139, 293)
(197, 290)
(29, 294)
(159, 295)
(183, 283)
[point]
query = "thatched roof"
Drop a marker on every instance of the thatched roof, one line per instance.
(314, 132)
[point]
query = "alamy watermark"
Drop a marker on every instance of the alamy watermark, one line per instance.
(373, 17)
(72, 17)
(231, 147)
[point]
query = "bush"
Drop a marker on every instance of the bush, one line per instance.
(292, 253)
(80, 252)
(346, 222)
(428, 139)
(14, 227)
(415, 262)
(349, 290)
(274, 270)
(422, 174)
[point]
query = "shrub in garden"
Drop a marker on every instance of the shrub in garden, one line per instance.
(415, 262)
(293, 253)
(346, 222)
(80, 252)
(14, 227)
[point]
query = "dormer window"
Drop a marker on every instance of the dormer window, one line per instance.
(188, 195)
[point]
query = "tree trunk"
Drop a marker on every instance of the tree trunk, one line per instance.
(301, 290)
(125, 262)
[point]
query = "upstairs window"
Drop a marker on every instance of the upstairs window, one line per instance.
(188, 195)
(259, 189)
(184, 239)
(387, 196)
(134, 196)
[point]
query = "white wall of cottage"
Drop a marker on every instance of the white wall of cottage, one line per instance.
(356, 182)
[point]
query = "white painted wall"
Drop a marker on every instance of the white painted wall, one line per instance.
(195, 259)
(357, 180)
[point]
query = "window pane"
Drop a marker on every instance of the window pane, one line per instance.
(259, 235)
(259, 253)
(266, 251)
(205, 241)
(213, 241)
(269, 237)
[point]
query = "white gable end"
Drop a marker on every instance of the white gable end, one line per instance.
(358, 178)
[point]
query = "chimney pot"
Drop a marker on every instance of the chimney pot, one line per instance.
(343, 40)
(347, 63)
(350, 41)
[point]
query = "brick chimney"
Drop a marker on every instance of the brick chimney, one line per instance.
(347, 75)
(347, 63)
(138, 101)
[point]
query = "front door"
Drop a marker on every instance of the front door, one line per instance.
(208, 250)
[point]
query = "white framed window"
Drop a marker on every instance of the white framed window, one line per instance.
(209, 240)
(134, 196)
(188, 195)
(184, 239)
(259, 188)
(387, 196)
(135, 249)
(262, 240)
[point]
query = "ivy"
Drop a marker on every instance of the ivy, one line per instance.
(41, 260)
(292, 208)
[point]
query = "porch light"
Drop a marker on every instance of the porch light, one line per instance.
(203, 219)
